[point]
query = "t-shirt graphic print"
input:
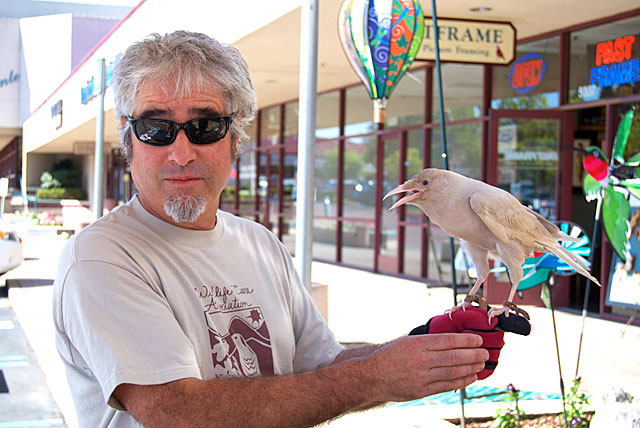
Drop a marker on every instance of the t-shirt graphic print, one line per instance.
(238, 333)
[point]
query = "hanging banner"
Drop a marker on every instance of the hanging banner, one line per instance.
(468, 41)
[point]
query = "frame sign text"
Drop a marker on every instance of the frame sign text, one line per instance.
(467, 41)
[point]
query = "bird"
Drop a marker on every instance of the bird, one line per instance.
(595, 162)
(487, 220)
(597, 165)
(247, 356)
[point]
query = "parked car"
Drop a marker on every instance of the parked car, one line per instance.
(11, 255)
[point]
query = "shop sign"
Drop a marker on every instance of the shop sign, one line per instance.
(92, 88)
(12, 78)
(531, 156)
(614, 63)
(527, 73)
(89, 148)
(56, 114)
(467, 41)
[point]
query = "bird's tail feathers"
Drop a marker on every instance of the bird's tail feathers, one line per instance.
(561, 236)
(575, 261)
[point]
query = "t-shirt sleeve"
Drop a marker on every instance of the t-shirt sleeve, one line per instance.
(316, 345)
(121, 329)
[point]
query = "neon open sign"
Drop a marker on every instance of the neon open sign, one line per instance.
(527, 73)
(614, 63)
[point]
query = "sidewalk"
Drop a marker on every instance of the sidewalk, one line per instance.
(369, 308)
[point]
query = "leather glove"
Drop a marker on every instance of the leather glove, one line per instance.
(476, 320)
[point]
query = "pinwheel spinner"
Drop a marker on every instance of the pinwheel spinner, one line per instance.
(614, 182)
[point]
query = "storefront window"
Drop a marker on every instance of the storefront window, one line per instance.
(359, 111)
(326, 178)
(605, 61)
(413, 245)
(462, 92)
(270, 126)
(247, 173)
(325, 203)
(406, 105)
(359, 177)
(291, 120)
(357, 243)
(531, 81)
(327, 118)
(290, 158)
(528, 162)
(247, 176)
(464, 149)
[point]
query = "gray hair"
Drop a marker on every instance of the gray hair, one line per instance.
(195, 61)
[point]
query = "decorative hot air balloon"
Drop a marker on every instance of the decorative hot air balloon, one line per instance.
(380, 38)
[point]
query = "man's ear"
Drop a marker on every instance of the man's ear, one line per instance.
(123, 121)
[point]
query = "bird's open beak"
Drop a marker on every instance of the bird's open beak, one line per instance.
(401, 189)
(575, 149)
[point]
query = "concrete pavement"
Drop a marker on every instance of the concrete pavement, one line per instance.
(368, 308)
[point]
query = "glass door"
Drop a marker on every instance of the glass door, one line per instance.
(526, 158)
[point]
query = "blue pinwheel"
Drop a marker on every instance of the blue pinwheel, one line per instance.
(538, 269)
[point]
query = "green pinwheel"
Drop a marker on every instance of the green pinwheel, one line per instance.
(612, 183)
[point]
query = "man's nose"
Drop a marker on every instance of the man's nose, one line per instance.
(181, 151)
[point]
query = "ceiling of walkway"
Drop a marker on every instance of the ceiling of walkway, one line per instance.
(276, 75)
(273, 51)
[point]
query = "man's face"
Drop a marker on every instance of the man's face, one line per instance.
(182, 170)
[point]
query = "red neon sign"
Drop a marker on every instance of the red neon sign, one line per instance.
(614, 51)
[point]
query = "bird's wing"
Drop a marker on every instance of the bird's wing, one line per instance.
(552, 228)
(505, 217)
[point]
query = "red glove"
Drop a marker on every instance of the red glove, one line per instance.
(475, 320)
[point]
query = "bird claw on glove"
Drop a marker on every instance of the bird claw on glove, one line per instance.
(475, 320)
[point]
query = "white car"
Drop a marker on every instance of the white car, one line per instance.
(10, 251)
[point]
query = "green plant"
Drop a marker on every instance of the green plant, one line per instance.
(577, 416)
(511, 416)
(61, 193)
(63, 174)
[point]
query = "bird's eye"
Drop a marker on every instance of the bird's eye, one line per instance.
(425, 182)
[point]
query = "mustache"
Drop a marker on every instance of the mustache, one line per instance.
(199, 171)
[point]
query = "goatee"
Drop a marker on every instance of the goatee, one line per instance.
(185, 208)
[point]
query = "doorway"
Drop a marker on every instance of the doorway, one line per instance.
(526, 158)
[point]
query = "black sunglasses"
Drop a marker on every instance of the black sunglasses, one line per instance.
(162, 132)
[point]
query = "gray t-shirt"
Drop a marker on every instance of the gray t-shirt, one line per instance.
(138, 300)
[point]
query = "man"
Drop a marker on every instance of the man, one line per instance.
(170, 312)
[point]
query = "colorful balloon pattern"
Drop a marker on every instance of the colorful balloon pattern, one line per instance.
(380, 39)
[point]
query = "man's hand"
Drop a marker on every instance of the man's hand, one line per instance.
(414, 367)
(475, 320)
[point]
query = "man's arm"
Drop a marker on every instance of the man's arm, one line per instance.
(405, 369)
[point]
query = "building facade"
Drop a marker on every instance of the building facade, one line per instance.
(508, 125)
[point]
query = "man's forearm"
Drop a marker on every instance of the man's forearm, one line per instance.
(405, 369)
(299, 400)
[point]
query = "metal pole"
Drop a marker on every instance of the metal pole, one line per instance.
(445, 165)
(594, 239)
(306, 138)
(555, 334)
(98, 185)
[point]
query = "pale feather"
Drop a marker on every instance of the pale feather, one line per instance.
(507, 218)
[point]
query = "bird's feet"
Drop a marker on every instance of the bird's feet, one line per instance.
(468, 301)
(506, 309)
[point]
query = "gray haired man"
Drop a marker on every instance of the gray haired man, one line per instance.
(171, 312)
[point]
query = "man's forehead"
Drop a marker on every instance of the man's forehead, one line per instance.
(166, 95)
